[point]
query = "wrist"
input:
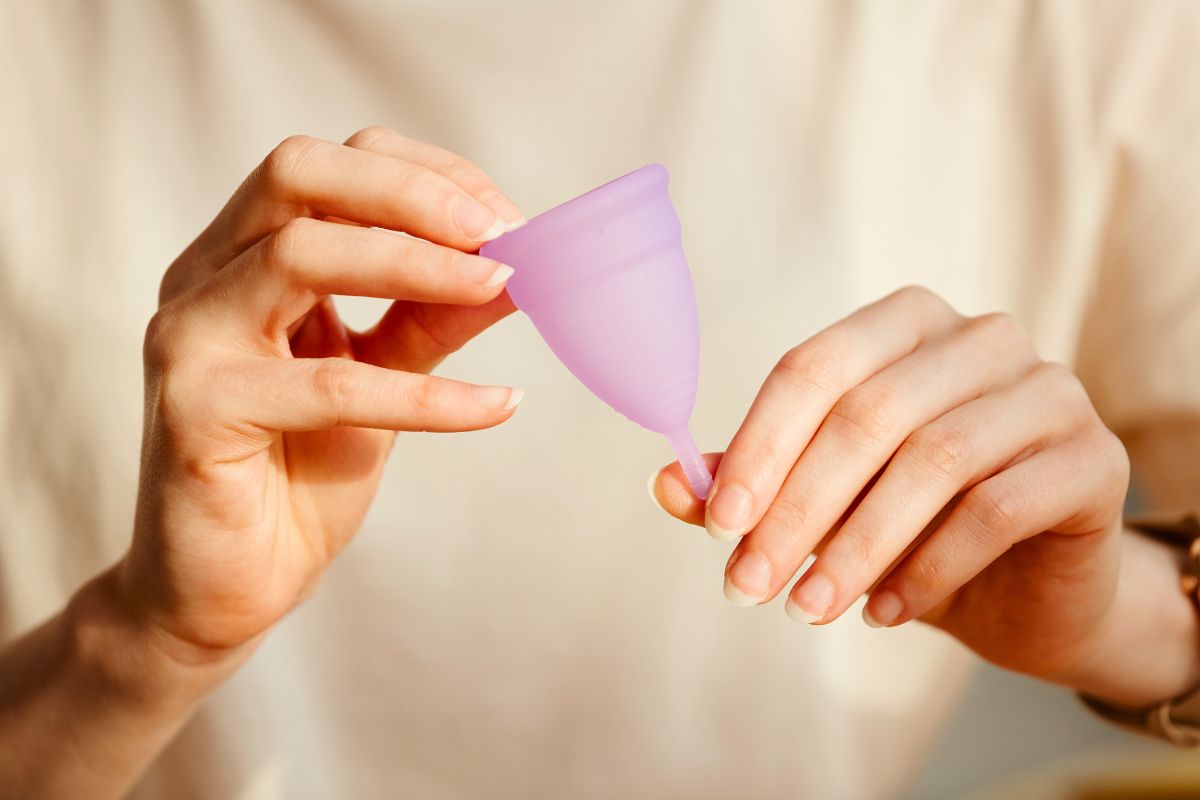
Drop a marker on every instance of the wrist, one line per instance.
(90, 697)
(121, 654)
(1147, 649)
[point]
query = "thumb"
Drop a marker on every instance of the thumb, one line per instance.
(669, 489)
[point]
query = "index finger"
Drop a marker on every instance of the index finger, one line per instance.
(800, 392)
(304, 176)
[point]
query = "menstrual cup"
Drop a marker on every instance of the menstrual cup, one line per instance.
(606, 283)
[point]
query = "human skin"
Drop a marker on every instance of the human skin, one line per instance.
(937, 463)
(267, 426)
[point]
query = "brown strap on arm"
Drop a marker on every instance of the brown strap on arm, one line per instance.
(1177, 721)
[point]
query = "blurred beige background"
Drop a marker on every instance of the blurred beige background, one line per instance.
(516, 620)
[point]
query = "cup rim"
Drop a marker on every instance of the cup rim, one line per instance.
(647, 179)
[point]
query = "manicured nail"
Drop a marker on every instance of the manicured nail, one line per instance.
(803, 617)
(505, 209)
(499, 276)
(728, 513)
(503, 398)
(650, 486)
(476, 220)
(811, 599)
(483, 271)
(748, 579)
(883, 609)
(514, 398)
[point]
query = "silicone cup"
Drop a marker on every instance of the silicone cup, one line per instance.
(606, 283)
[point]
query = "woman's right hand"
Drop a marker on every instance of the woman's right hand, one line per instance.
(267, 422)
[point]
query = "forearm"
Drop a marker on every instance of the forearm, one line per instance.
(1148, 649)
(88, 699)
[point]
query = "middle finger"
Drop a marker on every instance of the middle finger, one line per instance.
(933, 466)
(860, 434)
(277, 281)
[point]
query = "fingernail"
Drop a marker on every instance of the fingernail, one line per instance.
(500, 276)
(650, 486)
(883, 609)
(811, 599)
(728, 513)
(505, 209)
(748, 579)
(514, 398)
(799, 615)
(503, 398)
(476, 220)
(484, 271)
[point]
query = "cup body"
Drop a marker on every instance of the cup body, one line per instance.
(604, 279)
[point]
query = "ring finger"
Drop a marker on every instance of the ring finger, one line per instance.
(857, 438)
(932, 466)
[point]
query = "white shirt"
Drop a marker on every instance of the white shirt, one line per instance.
(516, 619)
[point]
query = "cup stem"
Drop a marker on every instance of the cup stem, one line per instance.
(692, 462)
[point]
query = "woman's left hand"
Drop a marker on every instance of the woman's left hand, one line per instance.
(936, 462)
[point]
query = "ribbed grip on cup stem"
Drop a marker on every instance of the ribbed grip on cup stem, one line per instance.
(692, 462)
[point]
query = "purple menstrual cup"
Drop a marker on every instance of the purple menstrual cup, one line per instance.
(606, 283)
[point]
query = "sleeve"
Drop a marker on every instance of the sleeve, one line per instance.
(1139, 352)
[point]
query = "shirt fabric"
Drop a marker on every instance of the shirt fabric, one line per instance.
(515, 618)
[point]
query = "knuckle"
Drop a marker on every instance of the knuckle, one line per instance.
(182, 396)
(941, 448)
(466, 174)
(1053, 372)
(914, 293)
(928, 572)
(371, 136)
(1065, 381)
(1003, 335)
(423, 397)
(1065, 391)
(1115, 459)
(1116, 448)
(448, 261)
(286, 246)
(421, 185)
(330, 384)
(789, 513)
(169, 336)
(446, 161)
(476, 184)
(161, 336)
(809, 367)
(288, 160)
(998, 326)
(921, 303)
(862, 549)
(996, 511)
(176, 280)
(865, 413)
(769, 445)
(408, 180)
(921, 298)
(439, 194)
